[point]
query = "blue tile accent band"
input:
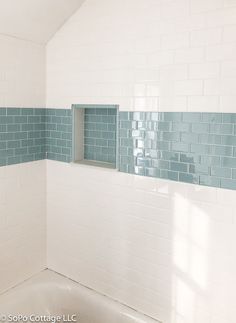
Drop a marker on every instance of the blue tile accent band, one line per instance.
(197, 148)
(33, 134)
(100, 134)
(58, 134)
(22, 135)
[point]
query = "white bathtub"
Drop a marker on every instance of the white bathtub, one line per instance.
(49, 294)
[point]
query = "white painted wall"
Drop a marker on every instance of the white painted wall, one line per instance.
(165, 248)
(22, 73)
(22, 222)
(146, 55)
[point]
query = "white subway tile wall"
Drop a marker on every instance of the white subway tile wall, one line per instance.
(164, 248)
(22, 73)
(156, 55)
(22, 222)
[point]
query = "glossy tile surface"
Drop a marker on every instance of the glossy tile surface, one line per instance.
(195, 148)
(100, 134)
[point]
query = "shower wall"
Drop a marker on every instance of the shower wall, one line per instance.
(164, 248)
(22, 186)
(22, 73)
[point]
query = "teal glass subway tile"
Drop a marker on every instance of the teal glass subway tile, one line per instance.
(189, 178)
(228, 162)
(127, 124)
(198, 147)
(167, 174)
(161, 164)
(13, 144)
(161, 145)
(191, 117)
(137, 152)
(189, 137)
(209, 139)
(20, 151)
(221, 172)
(223, 129)
(169, 155)
(34, 150)
(210, 160)
(60, 112)
(212, 117)
(67, 136)
(14, 160)
(22, 119)
(200, 127)
(138, 116)
(28, 158)
(228, 183)
(3, 127)
(27, 143)
(228, 140)
(40, 111)
(3, 111)
(209, 181)
(123, 115)
(151, 153)
(7, 136)
(56, 119)
(61, 143)
(199, 169)
(56, 149)
(6, 119)
(181, 126)
(221, 150)
(139, 170)
(34, 134)
(100, 126)
(195, 148)
(55, 134)
(20, 135)
(180, 146)
(3, 161)
(162, 126)
(13, 111)
(228, 118)
(178, 167)
(6, 153)
(233, 173)
(190, 158)
(13, 127)
(52, 126)
(152, 172)
(23, 134)
(170, 116)
(51, 112)
(39, 126)
(27, 111)
(29, 119)
(3, 145)
(171, 136)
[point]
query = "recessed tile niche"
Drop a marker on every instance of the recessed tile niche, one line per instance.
(95, 135)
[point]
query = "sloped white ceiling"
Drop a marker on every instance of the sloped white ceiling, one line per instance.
(35, 20)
